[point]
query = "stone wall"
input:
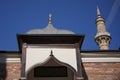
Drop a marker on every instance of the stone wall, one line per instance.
(102, 71)
(10, 71)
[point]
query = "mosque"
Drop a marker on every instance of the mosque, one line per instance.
(55, 54)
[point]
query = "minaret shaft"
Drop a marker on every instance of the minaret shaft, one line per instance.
(102, 37)
(100, 26)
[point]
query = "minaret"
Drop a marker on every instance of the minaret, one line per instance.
(102, 37)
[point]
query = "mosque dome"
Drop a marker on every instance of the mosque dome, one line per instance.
(49, 29)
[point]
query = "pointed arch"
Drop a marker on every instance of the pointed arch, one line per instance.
(52, 57)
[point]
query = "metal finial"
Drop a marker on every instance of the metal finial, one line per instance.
(51, 53)
(50, 19)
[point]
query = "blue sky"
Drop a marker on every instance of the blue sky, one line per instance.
(20, 16)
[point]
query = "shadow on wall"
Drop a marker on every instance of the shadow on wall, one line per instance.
(3, 71)
(84, 72)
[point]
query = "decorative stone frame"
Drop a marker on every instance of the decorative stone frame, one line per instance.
(75, 41)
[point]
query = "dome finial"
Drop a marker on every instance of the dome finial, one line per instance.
(50, 19)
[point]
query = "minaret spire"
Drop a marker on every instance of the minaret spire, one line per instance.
(50, 19)
(98, 11)
(102, 37)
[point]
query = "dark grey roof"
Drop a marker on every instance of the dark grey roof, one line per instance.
(49, 30)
